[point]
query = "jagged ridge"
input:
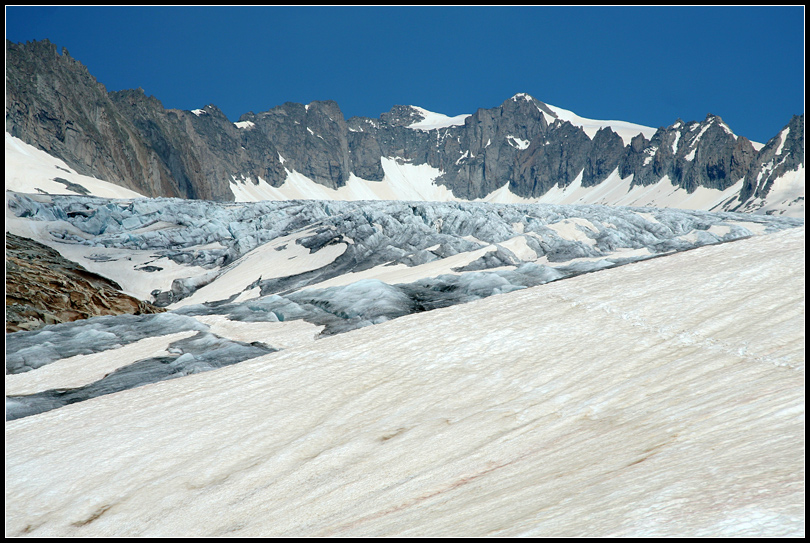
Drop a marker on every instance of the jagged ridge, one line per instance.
(129, 138)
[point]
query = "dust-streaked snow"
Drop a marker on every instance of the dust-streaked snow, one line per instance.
(282, 335)
(283, 256)
(660, 399)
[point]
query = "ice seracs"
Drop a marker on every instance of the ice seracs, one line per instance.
(412, 414)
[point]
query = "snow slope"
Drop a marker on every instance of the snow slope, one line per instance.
(786, 196)
(515, 415)
(433, 120)
(29, 169)
(404, 181)
(627, 131)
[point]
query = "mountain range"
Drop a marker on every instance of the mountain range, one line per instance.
(522, 150)
(517, 322)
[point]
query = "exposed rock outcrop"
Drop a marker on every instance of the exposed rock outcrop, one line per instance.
(784, 152)
(53, 102)
(706, 154)
(44, 288)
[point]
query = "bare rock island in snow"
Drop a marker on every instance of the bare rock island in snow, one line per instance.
(44, 288)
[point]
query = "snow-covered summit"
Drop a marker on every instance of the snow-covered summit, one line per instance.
(432, 120)
(626, 130)
(522, 95)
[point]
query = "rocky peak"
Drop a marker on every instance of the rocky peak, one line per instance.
(136, 97)
(521, 100)
(607, 148)
(402, 116)
(130, 139)
(555, 159)
(53, 103)
(312, 139)
(781, 154)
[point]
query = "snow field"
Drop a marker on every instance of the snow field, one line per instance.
(617, 191)
(279, 258)
(29, 169)
(786, 196)
(433, 120)
(416, 183)
(400, 273)
(401, 182)
(627, 131)
(512, 415)
(282, 335)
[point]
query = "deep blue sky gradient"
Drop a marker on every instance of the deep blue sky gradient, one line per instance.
(648, 65)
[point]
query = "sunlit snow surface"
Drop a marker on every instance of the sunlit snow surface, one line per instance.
(403, 181)
(627, 131)
(664, 398)
(432, 121)
(29, 169)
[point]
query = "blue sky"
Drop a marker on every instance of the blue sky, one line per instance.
(648, 65)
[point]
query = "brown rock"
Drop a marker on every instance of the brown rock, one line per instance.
(44, 288)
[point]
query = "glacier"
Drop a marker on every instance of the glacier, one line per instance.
(336, 265)
(659, 399)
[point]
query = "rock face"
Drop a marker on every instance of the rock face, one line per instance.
(53, 102)
(692, 155)
(44, 288)
(784, 152)
(130, 139)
